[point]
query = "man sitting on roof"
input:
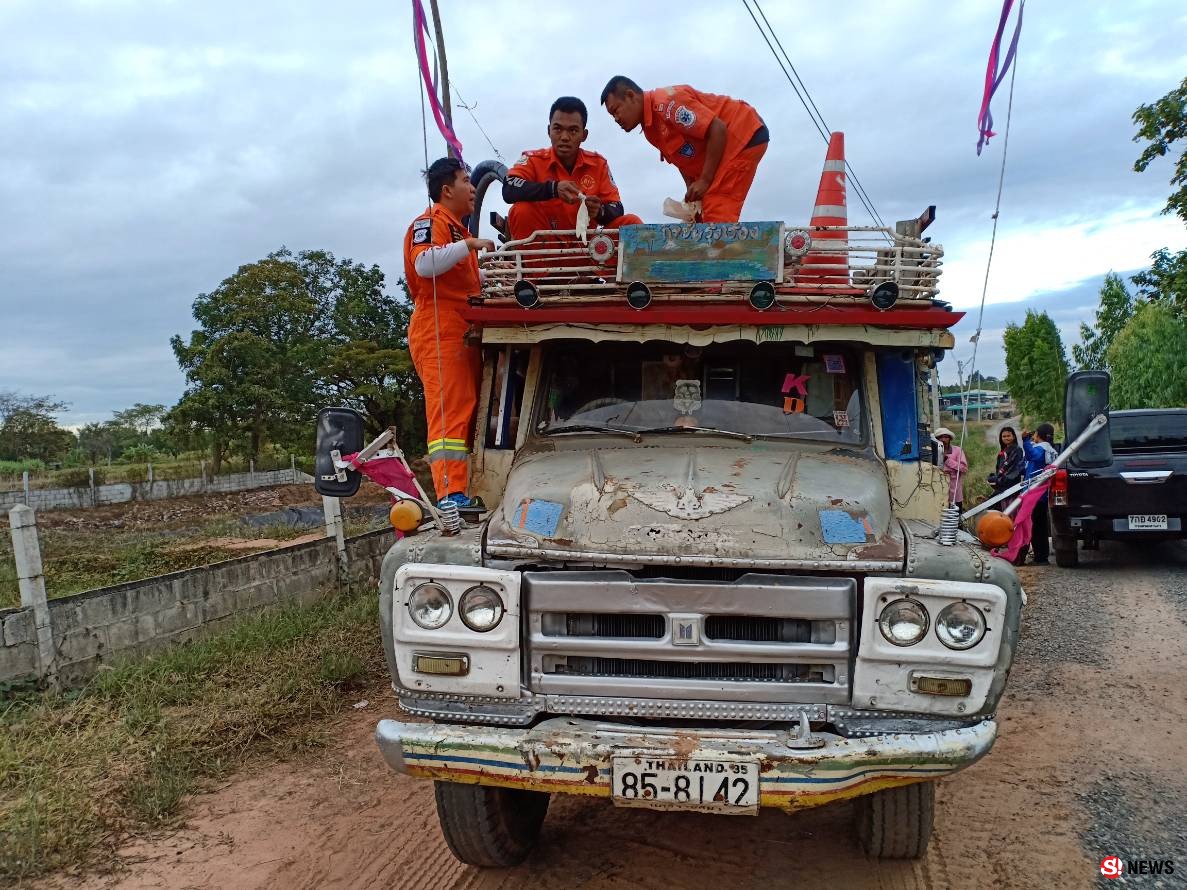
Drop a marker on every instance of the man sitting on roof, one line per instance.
(714, 141)
(545, 186)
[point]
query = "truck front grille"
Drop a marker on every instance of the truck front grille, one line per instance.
(761, 638)
(688, 670)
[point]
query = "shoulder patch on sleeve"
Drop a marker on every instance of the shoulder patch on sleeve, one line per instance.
(523, 159)
(422, 230)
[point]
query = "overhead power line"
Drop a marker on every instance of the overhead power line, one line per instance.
(804, 95)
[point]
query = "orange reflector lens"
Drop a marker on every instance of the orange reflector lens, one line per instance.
(449, 664)
(943, 685)
(406, 515)
(995, 529)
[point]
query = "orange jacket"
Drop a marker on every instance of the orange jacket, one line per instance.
(676, 121)
(590, 172)
(437, 227)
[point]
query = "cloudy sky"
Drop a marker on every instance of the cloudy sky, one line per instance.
(150, 148)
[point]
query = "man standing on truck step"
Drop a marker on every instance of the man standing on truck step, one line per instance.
(441, 269)
(545, 186)
(714, 141)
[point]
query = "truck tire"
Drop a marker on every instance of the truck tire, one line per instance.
(896, 823)
(1067, 554)
(490, 827)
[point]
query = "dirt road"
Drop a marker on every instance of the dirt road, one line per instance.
(1090, 762)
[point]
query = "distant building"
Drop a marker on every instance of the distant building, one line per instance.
(983, 404)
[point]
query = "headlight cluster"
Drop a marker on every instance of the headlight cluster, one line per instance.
(431, 606)
(905, 622)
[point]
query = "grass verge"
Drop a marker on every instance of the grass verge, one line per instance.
(82, 771)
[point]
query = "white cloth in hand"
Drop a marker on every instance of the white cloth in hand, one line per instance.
(685, 211)
(582, 219)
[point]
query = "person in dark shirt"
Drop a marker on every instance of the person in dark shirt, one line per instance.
(1010, 461)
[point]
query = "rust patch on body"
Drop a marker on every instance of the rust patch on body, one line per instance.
(887, 548)
(564, 542)
(591, 774)
(617, 505)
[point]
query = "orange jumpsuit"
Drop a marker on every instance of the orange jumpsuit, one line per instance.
(447, 367)
(676, 121)
(591, 174)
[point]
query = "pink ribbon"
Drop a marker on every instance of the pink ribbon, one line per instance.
(993, 75)
(421, 26)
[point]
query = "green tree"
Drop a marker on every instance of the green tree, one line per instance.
(1161, 125)
(33, 435)
(1149, 360)
(252, 364)
(29, 429)
(1165, 280)
(368, 366)
(1036, 366)
(140, 418)
(1115, 309)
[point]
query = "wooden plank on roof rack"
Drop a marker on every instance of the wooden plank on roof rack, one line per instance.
(667, 253)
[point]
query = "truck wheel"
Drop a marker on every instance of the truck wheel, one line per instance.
(896, 823)
(490, 827)
(1067, 555)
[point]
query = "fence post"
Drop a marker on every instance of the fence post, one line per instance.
(150, 480)
(205, 484)
(293, 467)
(335, 528)
(94, 490)
(31, 582)
(251, 471)
(25, 482)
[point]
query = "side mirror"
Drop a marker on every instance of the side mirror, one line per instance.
(340, 430)
(1087, 396)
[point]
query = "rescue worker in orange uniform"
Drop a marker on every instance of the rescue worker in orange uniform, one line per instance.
(544, 187)
(441, 269)
(714, 141)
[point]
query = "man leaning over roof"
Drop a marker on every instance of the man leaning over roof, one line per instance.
(544, 187)
(714, 141)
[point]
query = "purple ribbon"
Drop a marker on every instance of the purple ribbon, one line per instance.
(421, 26)
(994, 75)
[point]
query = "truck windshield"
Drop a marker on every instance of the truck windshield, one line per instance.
(752, 389)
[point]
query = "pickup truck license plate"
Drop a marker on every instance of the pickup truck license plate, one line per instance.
(1142, 522)
(709, 785)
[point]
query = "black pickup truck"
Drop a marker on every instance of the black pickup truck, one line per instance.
(1141, 494)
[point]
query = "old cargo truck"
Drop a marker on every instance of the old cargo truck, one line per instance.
(716, 572)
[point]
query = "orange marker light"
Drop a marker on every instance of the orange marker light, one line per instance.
(406, 515)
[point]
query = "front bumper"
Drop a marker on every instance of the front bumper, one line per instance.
(570, 756)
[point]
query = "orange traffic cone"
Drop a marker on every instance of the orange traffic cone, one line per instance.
(832, 260)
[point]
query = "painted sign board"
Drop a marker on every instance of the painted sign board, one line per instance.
(678, 253)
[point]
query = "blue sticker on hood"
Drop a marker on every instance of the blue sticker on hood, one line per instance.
(538, 517)
(839, 527)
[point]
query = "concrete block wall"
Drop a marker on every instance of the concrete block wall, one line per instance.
(160, 490)
(114, 623)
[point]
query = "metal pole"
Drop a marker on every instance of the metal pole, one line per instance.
(25, 481)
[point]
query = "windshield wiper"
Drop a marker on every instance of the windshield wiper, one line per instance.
(588, 428)
(698, 429)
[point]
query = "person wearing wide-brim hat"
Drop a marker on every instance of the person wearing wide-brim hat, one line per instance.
(955, 467)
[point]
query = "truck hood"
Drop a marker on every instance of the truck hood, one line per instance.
(704, 504)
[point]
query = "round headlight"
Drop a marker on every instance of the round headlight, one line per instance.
(960, 626)
(430, 605)
(903, 622)
(481, 608)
